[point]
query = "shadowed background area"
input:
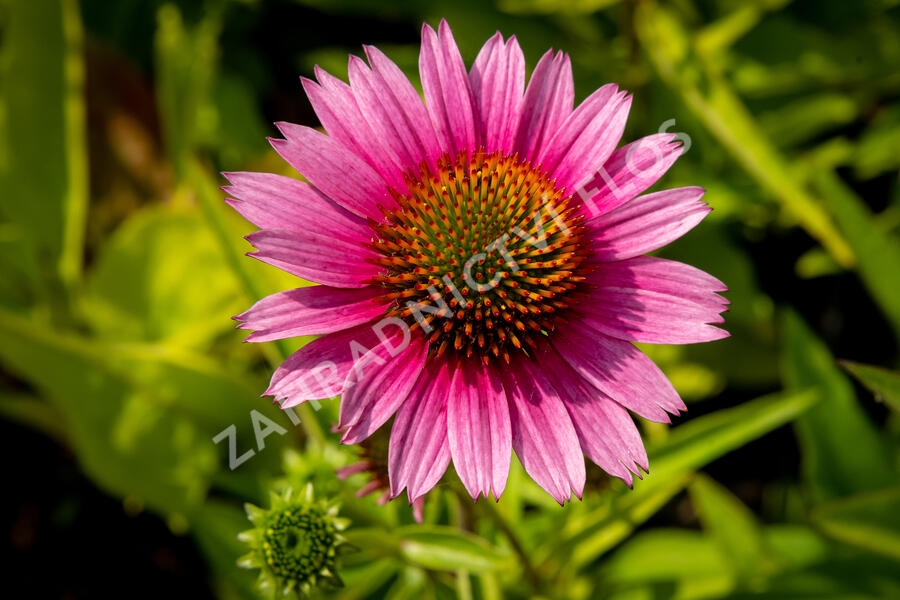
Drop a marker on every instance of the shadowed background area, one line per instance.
(120, 267)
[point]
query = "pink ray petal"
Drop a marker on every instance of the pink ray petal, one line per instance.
(478, 429)
(409, 103)
(419, 454)
(656, 301)
(586, 138)
(339, 112)
(498, 85)
(619, 370)
(606, 431)
(277, 202)
(647, 223)
(310, 310)
(629, 171)
(395, 110)
(377, 386)
(448, 94)
(318, 369)
(316, 256)
(542, 432)
(548, 101)
(338, 172)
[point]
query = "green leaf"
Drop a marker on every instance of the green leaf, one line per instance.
(707, 93)
(692, 557)
(594, 534)
(836, 424)
(141, 418)
(877, 151)
(667, 563)
(162, 277)
(687, 448)
(216, 525)
(43, 153)
(731, 525)
(881, 382)
(696, 443)
(877, 253)
(127, 444)
(666, 555)
(366, 579)
(796, 546)
(411, 584)
(448, 549)
(870, 520)
(803, 119)
(186, 62)
(34, 413)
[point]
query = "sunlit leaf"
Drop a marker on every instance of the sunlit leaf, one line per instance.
(162, 278)
(666, 555)
(43, 151)
(186, 60)
(689, 447)
(448, 549)
(712, 100)
(166, 462)
(142, 418)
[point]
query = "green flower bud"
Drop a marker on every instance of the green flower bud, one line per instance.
(296, 544)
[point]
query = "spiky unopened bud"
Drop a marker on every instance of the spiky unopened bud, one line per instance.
(296, 543)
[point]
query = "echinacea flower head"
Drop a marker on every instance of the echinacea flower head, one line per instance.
(296, 543)
(481, 256)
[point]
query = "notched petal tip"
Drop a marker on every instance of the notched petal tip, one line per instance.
(355, 62)
(374, 55)
(309, 86)
(700, 191)
(444, 27)
(284, 128)
(276, 143)
(718, 333)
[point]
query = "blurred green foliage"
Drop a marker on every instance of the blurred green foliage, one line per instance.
(116, 294)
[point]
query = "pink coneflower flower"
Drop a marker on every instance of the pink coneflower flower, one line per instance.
(480, 256)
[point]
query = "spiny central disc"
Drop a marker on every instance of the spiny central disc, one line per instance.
(485, 257)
